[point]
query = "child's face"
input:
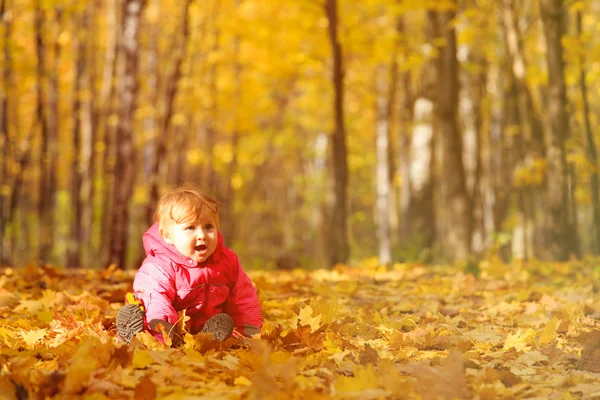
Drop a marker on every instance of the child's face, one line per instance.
(194, 239)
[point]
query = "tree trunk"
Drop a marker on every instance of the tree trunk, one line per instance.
(477, 96)
(171, 95)
(83, 151)
(405, 135)
(74, 242)
(152, 72)
(320, 193)
(561, 242)
(44, 195)
(85, 166)
(392, 138)
(229, 225)
(383, 175)
(125, 162)
(501, 163)
(209, 176)
(591, 147)
(6, 67)
(340, 250)
(454, 191)
(530, 144)
(105, 129)
(420, 178)
(53, 134)
(530, 121)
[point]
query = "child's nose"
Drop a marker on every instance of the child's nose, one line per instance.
(200, 233)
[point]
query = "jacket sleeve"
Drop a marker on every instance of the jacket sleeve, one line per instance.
(243, 304)
(156, 290)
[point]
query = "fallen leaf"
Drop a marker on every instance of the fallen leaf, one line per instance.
(590, 354)
(166, 337)
(145, 390)
(447, 381)
(34, 336)
(8, 299)
(142, 359)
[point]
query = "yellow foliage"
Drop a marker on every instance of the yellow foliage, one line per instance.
(520, 340)
(89, 357)
(352, 333)
(31, 337)
(142, 359)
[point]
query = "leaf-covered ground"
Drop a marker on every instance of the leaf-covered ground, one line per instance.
(411, 331)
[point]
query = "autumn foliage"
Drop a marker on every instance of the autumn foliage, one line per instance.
(410, 331)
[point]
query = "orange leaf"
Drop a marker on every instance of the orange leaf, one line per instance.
(145, 390)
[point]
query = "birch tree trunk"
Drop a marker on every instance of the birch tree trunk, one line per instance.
(125, 161)
(383, 175)
(420, 178)
(476, 87)
(340, 250)
(405, 139)
(454, 190)
(562, 240)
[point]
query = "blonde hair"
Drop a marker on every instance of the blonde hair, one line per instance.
(184, 204)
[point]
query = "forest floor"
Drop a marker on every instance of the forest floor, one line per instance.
(410, 331)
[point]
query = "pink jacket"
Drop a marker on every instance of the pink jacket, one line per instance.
(168, 282)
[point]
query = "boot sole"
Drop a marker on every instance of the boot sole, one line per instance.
(220, 325)
(130, 320)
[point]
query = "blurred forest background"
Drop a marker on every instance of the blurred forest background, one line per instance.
(330, 130)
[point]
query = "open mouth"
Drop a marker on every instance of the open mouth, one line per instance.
(202, 247)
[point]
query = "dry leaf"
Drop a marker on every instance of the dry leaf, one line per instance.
(346, 333)
(590, 355)
(447, 381)
(145, 390)
(166, 337)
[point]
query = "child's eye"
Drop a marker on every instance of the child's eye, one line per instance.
(208, 227)
(190, 228)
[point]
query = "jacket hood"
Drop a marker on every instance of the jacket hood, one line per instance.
(155, 245)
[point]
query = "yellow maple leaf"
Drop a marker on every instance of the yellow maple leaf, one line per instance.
(520, 340)
(28, 306)
(364, 378)
(338, 357)
(90, 356)
(305, 317)
(549, 332)
(46, 316)
(149, 341)
(532, 358)
(142, 359)
(48, 299)
(32, 337)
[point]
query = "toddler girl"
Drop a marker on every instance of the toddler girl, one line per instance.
(187, 267)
